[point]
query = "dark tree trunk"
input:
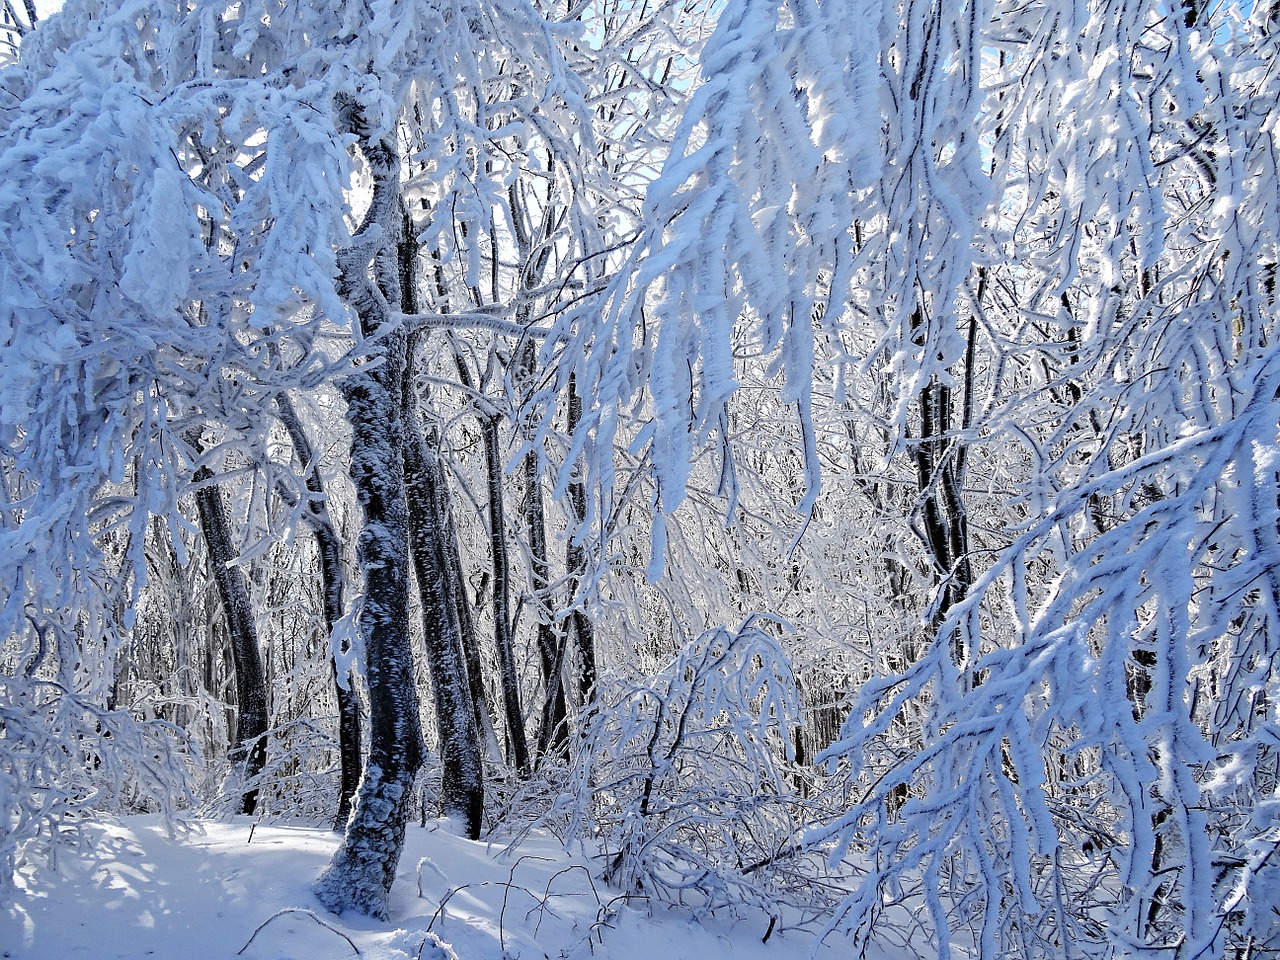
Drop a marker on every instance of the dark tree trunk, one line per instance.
(938, 477)
(939, 455)
(456, 584)
(456, 590)
(501, 598)
(249, 749)
(462, 776)
(553, 734)
(329, 548)
(581, 629)
(500, 568)
(534, 253)
(360, 875)
(462, 761)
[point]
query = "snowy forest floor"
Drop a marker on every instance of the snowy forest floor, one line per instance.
(238, 888)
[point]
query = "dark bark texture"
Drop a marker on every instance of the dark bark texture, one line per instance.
(362, 870)
(501, 599)
(462, 776)
(329, 549)
(461, 756)
(249, 751)
(580, 627)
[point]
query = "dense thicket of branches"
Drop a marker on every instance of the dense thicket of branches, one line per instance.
(503, 361)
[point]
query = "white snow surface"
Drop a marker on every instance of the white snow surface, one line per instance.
(238, 888)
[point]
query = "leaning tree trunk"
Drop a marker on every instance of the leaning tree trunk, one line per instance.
(360, 875)
(249, 749)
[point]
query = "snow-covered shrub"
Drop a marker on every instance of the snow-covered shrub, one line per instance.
(680, 777)
(299, 777)
(64, 756)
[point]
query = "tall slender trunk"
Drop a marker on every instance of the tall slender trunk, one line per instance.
(329, 549)
(553, 734)
(501, 571)
(534, 254)
(462, 776)
(360, 875)
(462, 761)
(580, 627)
(553, 731)
(456, 590)
(501, 598)
(249, 749)
(456, 583)
(939, 456)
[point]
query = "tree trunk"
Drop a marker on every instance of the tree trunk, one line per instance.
(329, 549)
(553, 731)
(456, 590)
(939, 460)
(462, 776)
(501, 599)
(457, 586)
(500, 570)
(360, 875)
(462, 761)
(553, 734)
(580, 627)
(249, 749)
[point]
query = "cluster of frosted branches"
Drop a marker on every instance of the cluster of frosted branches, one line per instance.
(1008, 269)
(680, 775)
(1057, 248)
(1136, 238)
(185, 181)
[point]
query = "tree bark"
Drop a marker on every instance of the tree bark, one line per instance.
(501, 599)
(462, 776)
(360, 875)
(501, 571)
(329, 549)
(580, 627)
(553, 731)
(553, 734)
(456, 590)
(939, 461)
(462, 760)
(249, 749)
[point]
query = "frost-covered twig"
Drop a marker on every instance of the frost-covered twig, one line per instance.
(306, 913)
